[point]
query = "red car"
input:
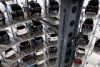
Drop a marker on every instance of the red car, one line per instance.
(78, 61)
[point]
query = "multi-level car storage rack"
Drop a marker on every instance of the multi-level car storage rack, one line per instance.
(70, 12)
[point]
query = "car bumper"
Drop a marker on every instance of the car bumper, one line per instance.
(21, 33)
(9, 54)
(53, 40)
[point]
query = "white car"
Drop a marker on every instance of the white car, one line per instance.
(52, 37)
(39, 53)
(80, 50)
(21, 29)
(89, 65)
(8, 53)
(54, 21)
(41, 62)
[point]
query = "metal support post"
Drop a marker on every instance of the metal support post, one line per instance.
(6, 9)
(45, 5)
(69, 18)
(28, 13)
(13, 33)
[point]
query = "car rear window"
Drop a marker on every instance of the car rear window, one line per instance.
(38, 38)
(53, 3)
(20, 27)
(88, 21)
(53, 35)
(8, 50)
(81, 49)
(34, 4)
(24, 43)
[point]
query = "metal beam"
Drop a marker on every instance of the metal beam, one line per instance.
(45, 5)
(70, 11)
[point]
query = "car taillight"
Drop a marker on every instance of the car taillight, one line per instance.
(79, 61)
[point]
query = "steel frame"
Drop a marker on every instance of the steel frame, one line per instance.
(69, 18)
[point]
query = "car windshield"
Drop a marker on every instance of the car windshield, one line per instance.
(53, 35)
(15, 7)
(20, 27)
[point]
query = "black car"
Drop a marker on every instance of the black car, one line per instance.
(2, 17)
(34, 7)
(4, 36)
(27, 57)
(15, 64)
(52, 59)
(83, 40)
(16, 11)
(37, 41)
(36, 26)
(52, 49)
(87, 25)
(24, 45)
(97, 43)
(92, 7)
(53, 6)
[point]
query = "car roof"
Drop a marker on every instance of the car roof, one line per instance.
(15, 7)
(17, 25)
(34, 4)
(36, 22)
(94, 2)
(54, 2)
